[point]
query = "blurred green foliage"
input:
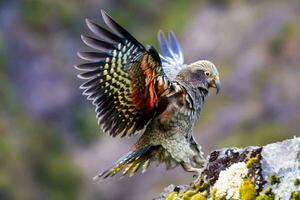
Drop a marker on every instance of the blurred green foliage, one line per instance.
(87, 126)
(32, 154)
(288, 31)
(255, 133)
(49, 14)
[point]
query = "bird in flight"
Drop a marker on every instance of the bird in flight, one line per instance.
(136, 90)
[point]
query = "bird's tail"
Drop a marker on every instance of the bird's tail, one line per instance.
(129, 163)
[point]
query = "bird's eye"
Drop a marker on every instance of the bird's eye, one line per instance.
(207, 73)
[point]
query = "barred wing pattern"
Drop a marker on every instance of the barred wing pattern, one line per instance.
(172, 56)
(124, 79)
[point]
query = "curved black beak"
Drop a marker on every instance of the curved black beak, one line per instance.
(218, 85)
(215, 83)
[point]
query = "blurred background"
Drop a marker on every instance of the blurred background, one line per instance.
(50, 144)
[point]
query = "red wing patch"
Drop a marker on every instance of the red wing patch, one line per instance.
(144, 96)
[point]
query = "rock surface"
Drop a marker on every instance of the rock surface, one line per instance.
(262, 173)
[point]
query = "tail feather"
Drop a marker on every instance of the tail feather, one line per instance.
(129, 163)
(145, 165)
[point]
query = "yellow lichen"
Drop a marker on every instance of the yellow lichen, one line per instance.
(297, 182)
(214, 195)
(197, 191)
(266, 195)
(188, 194)
(201, 186)
(295, 195)
(172, 196)
(274, 180)
(198, 197)
(248, 190)
(252, 161)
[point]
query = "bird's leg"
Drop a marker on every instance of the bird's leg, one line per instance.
(189, 168)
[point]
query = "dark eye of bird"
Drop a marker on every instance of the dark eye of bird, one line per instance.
(207, 73)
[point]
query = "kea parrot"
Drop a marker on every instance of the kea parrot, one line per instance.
(137, 90)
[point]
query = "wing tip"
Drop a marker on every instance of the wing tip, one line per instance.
(76, 66)
(83, 38)
(79, 54)
(100, 177)
(80, 76)
(103, 12)
(161, 35)
(106, 17)
(96, 178)
(172, 35)
(90, 23)
(87, 21)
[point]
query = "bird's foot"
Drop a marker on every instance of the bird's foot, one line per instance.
(198, 176)
(198, 171)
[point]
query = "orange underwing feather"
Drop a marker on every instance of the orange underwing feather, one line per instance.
(145, 97)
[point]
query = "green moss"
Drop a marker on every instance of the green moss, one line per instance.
(274, 180)
(247, 190)
(252, 161)
(297, 182)
(266, 195)
(295, 195)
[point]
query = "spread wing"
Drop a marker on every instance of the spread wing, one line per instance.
(172, 56)
(123, 78)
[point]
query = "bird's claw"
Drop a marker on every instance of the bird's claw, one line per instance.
(198, 177)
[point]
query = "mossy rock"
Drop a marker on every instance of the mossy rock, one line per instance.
(250, 165)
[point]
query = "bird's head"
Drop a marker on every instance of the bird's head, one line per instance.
(202, 72)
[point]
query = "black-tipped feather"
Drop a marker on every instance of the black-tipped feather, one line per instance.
(133, 160)
(89, 74)
(102, 32)
(89, 66)
(97, 98)
(113, 25)
(109, 73)
(92, 90)
(90, 83)
(93, 56)
(97, 44)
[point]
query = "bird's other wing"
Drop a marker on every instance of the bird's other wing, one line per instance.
(124, 79)
(172, 56)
